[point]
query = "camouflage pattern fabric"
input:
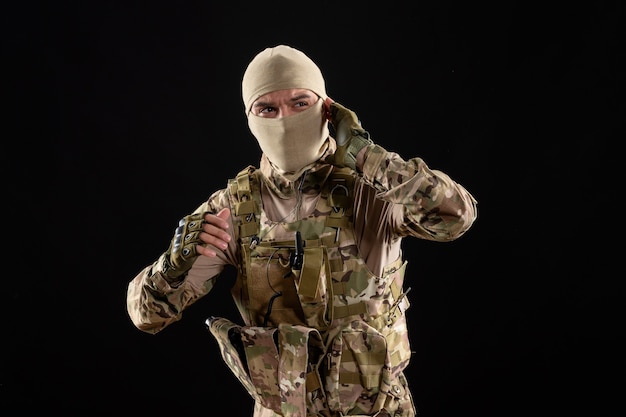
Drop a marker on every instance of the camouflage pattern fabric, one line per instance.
(358, 318)
(356, 364)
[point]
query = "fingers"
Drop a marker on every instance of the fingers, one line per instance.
(224, 214)
(215, 233)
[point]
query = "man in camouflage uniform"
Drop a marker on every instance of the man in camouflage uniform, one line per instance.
(315, 234)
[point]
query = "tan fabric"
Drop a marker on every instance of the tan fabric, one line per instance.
(292, 143)
(279, 68)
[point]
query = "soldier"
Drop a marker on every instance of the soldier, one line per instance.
(315, 235)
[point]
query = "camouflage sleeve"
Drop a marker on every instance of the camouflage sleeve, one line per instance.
(435, 207)
(153, 304)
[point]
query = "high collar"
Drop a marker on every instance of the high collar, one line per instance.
(308, 179)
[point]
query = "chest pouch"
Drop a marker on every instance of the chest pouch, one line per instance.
(288, 282)
(363, 371)
(273, 364)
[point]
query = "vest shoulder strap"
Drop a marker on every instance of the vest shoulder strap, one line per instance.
(245, 201)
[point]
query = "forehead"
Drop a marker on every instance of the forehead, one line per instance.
(286, 95)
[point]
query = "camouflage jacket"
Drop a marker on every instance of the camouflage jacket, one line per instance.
(389, 199)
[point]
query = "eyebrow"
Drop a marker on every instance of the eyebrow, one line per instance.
(292, 99)
(300, 97)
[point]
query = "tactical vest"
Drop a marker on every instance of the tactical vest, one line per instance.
(322, 335)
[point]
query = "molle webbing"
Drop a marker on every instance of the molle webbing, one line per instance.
(311, 271)
(244, 189)
(324, 337)
(336, 201)
(247, 204)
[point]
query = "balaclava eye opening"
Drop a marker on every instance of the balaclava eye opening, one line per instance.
(295, 141)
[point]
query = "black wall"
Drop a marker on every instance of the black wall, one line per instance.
(124, 116)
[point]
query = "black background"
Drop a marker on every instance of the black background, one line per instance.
(124, 116)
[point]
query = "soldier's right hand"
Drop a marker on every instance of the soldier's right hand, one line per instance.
(197, 234)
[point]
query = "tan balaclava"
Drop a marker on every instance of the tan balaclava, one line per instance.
(291, 143)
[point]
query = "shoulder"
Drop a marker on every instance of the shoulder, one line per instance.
(243, 184)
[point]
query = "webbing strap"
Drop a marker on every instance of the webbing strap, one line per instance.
(336, 265)
(311, 272)
(245, 206)
(355, 378)
(248, 229)
(350, 310)
(364, 358)
(337, 220)
(243, 185)
(313, 381)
